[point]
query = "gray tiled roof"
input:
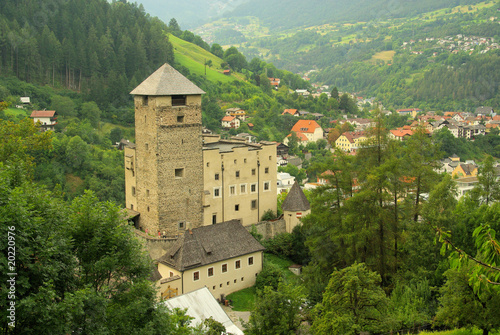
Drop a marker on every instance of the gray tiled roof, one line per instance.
(210, 244)
(295, 200)
(167, 81)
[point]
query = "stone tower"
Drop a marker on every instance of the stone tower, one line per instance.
(164, 170)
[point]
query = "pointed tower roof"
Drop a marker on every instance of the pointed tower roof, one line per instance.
(167, 81)
(296, 200)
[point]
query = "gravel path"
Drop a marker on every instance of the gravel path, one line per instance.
(236, 316)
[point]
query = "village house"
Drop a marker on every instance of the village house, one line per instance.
(275, 83)
(224, 258)
(307, 131)
(292, 112)
(465, 170)
(449, 164)
(400, 134)
(350, 141)
(281, 149)
(46, 119)
(237, 112)
(230, 122)
(409, 111)
(465, 185)
(358, 123)
(285, 182)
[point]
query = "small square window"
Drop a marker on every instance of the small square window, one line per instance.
(250, 260)
(237, 174)
(216, 192)
(254, 204)
(210, 272)
(196, 275)
(266, 186)
(147, 193)
(253, 188)
(181, 225)
(232, 190)
(237, 264)
(253, 172)
(133, 191)
(266, 170)
(147, 146)
(235, 281)
(236, 208)
(270, 157)
(180, 118)
(220, 285)
(213, 287)
(244, 160)
(242, 278)
(145, 100)
(179, 173)
(171, 274)
(243, 188)
(224, 268)
(208, 164)
(216, 176)
(235, 161)
(227, 284)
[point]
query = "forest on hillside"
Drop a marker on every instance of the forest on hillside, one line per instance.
(295, 14)
(98, 48)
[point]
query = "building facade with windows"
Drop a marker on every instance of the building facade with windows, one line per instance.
(240, 180)
(224, 257)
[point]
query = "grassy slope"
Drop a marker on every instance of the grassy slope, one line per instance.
(193, 57)
(16, 112)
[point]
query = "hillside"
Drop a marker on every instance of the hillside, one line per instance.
(356, 57)
(194, 58)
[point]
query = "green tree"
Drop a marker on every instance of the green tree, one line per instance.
(270, 275)
(174, 27)
(217, 50)
(488, 186)
(276, 312)
(335, 93)
(77, 152)
(461, 306)
(115, 135)
(293, 144)
(265, 84)
(91, 112)
(22, 142)
(63, 105)
(213, 327)
(353, 302)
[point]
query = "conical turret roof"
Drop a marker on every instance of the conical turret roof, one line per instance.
(296, 200)
(167, 81)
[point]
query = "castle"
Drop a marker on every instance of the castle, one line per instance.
(176, 179)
